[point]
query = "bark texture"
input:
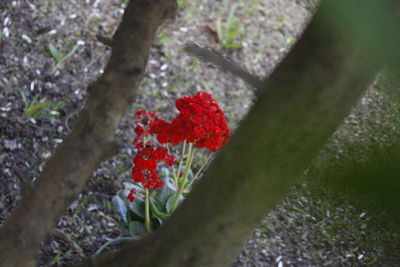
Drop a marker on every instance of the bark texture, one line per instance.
(305, 99)
(92, 139)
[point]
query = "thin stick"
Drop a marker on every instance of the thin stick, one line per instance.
(211, 56)
(200, 170)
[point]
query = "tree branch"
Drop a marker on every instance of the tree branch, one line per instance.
(92, 139)
(210, 56)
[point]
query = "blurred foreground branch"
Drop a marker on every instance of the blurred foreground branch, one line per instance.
(91, 140)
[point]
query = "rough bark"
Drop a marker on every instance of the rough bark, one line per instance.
(92, 139)
(305, 99)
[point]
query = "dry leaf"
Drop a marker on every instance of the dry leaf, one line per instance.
(211, 33)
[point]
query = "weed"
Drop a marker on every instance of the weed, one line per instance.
(228, 31)
(54, 52)
(41, 110)
(194, 64)
(85, 200)
(206, 86)
(58, 56)
(107, 205)
(56, 258)
(164, 38)
(122, 169)
(181, 4)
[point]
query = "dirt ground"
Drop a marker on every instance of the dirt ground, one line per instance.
(49, 53)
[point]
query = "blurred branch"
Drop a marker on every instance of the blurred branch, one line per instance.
(211, 56)
(91, 140)
(104, 40)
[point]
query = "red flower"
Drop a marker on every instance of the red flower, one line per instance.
(160, 153)
(131, 195)
(201, 121)
(169, 159)
(144, 170)
(146, 118)
(137, 175)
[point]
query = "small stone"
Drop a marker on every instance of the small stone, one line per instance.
(10, 144)
(164, 67)
(46, 155)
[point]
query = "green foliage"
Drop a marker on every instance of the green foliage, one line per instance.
(55, 52)
(163, 38)
(41, 110)
(181, 4)
(56, 258)
(161, 205)
(133, 213)
(58, 56)
(228, 31)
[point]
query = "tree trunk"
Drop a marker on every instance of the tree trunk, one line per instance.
(304, 101)
(92, 139)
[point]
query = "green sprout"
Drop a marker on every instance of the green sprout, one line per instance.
(58, 56)
(41, 110)
(228, 31)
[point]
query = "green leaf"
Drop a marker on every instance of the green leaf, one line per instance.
(137, 229)
(231, 18)
(35, 109)
(119, 207)
(58, 105)
(163, 194)
(232, 34)
(169, 203)
(54, 52)
(24, 98)
(131, 216)
(181, 4)
(233, 45)
(190, 175)
(137, 207)
(163, 37)
(63, 59)
(164, 173)
(73, 50)
(128, 186)
(156, 212)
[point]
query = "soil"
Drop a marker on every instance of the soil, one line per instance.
(49, 53)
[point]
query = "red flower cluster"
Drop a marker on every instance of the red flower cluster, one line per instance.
(201, 121)
(146, 161)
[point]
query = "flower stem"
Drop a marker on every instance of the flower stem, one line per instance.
(199, 171)
(147, 212)
(175, 174)
(183, 181)
(189, 161)
(176, 201)
(182, 156)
